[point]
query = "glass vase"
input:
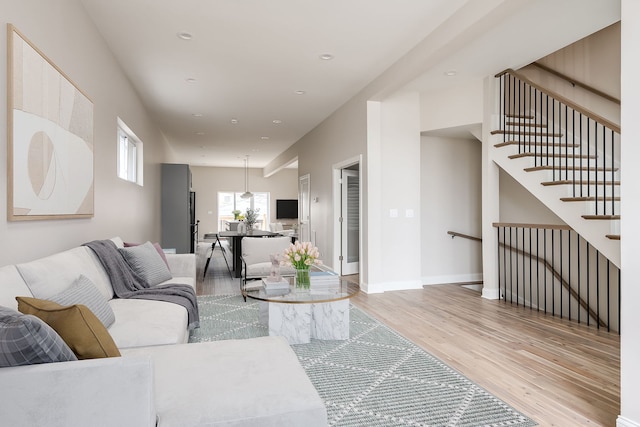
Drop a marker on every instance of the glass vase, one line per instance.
(302, 278)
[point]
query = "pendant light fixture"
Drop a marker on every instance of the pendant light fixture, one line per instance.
(247, 194)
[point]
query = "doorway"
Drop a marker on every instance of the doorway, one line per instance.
(304, 220)
(347, 209)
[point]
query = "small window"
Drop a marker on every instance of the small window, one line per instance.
(129, 155)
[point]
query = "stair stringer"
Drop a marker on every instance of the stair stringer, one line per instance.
(593, 231)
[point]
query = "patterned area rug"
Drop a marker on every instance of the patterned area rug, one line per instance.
(376, 378)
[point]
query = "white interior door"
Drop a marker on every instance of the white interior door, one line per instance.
(350, 221)
(304, 218)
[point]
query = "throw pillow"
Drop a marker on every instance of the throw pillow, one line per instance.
(83, 291)
(76, 324)
(27, 340)
(155, 245)
(145, 261)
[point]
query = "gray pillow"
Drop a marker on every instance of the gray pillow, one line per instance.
(83, 291)
(27, 340)
(145, 261)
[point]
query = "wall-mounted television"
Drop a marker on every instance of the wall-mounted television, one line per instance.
(286, 209)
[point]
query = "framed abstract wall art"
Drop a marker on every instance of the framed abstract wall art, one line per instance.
(50, 138)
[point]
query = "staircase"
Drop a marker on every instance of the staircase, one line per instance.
(564, 155)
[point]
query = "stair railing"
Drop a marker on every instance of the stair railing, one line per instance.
(551, 268)
(579, 147)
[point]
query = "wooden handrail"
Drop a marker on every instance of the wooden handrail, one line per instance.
(578, 83)
(524, 225)
(590, 114)
(465, 236)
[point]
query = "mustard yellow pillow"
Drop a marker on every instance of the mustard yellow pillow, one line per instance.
(83, 332)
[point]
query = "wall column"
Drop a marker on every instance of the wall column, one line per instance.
(490, 194)
(630, 212)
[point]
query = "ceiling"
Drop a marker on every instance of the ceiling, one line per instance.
(228, 78)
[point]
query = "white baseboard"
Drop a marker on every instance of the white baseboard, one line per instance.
(454, 278)
(377, 288)
(490, 293)
(626, 422)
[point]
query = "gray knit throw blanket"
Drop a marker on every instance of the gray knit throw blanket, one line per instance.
(127, 284)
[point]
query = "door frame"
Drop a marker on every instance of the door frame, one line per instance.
(337, 211)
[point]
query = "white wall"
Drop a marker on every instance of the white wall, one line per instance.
(456, 106)
(595, 61)
(400, 190)
(208, 181)
(62, 31)
(630, 212)
(451, 200)
(517, 205)
(340, 137)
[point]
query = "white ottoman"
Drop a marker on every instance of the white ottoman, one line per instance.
(253, 382)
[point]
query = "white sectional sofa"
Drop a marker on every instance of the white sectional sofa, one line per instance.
(159, 379)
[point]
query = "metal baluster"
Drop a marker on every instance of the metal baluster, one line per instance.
(510, 265)
(553, 268)
(608, 294)
(579, 282)
(538, 268)
(545, 271)
(530, 271)
(561, 275)
(588, 285)
(517, 270)
(598, 288)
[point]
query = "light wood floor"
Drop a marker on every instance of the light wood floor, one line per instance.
(556, 372)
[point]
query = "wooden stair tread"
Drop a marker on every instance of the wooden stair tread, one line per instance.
(536, 144)
(558, 155)
(601, 217)
(518, 116)
(515, 132)
(573, 169)
(527, 124)
(613, 236)
(577, 182)
(591, 199)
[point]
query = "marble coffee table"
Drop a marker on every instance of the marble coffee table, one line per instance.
(299, 315)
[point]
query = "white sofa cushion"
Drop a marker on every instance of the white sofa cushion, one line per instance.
(50, 275)
(141, 322)
(191, 281)
(11, 286)
(112, 391)
(257, 382)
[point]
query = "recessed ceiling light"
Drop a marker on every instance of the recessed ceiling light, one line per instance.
(199, 133)
(300, 92)
(234, 121)
(264, 138)
(184, 35)
(450, 73)
(326, 57)
(190, 80)
(277, 121)
(197, 114)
